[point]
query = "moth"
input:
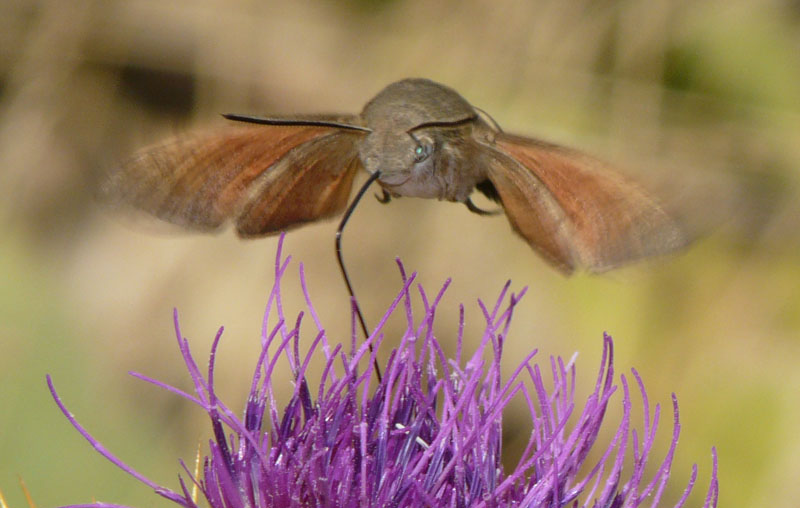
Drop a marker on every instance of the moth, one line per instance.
(416, 138)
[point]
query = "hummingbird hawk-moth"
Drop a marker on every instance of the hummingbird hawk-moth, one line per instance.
(416, 138)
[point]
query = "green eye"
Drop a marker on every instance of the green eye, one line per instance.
(421, 153)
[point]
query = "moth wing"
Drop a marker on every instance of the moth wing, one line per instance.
(575, 209)
(308, 184)
(532, 210)
(203, 180)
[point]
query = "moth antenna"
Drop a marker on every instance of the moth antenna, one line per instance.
(480, 211)
(374, 176)
(385, 198)
(486, 115)
(453, 123)
(260, 120)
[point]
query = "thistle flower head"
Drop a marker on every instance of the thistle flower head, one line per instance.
(429, 433)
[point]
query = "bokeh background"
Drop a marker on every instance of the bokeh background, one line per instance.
(700, 94)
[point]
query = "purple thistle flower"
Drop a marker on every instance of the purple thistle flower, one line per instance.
(428, 434)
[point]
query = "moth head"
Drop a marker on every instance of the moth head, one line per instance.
(410, 122)
(405, 105)
(400, 157)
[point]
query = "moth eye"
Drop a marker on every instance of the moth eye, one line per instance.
(421, 152)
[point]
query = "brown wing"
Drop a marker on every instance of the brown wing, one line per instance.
(201, 181)
(310, 183)
(575, 209)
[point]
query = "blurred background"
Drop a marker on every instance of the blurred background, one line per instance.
(703, 95)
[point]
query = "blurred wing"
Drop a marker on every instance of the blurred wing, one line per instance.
(310, 183)
(576, 210)
(202, 181)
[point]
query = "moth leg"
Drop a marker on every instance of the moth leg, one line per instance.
(480, 211)
(385, 198)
